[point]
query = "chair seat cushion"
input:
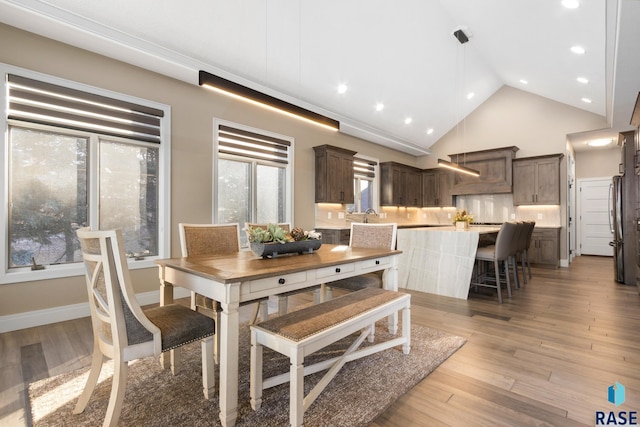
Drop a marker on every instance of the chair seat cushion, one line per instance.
(368, 280)
(486, 253)
(180, 325)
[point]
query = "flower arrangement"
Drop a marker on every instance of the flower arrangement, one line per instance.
(462, 216)
(275, 234)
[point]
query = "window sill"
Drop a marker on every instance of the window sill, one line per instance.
(19, 275)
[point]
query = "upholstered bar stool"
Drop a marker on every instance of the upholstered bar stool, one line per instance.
(500, 255)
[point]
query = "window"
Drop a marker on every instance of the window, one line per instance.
(252, 175)
(79, 156)
(364, 181)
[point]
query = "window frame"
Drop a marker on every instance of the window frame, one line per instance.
(25, 274)
(289, 169)
(375, 182)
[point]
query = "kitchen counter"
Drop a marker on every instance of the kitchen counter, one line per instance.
(439, 260)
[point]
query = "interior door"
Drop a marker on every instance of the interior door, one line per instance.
(595, 227)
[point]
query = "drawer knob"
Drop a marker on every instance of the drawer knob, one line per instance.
(338, 270)
(377, 262)
(281, 281)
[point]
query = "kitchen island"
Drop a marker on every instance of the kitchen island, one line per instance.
(439, 260)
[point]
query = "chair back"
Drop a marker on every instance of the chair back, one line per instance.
(505, 246)
(531, 225)
(117, 318)
(209, 239)
(376, 235)
(521, 238)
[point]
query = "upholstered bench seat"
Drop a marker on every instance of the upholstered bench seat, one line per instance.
(303, 332)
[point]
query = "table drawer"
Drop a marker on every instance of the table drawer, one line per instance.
(276, 282)
(334, 271)
(377, 262)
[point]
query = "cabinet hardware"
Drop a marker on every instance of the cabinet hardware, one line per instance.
(337, 269)
(377, 262)
(281, 280)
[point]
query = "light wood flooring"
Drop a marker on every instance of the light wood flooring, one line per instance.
(546, 357)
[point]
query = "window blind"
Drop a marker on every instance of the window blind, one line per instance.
(364, 168)
(45, 103)
(253, 145)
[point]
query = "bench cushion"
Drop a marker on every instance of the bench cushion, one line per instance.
(303, 323)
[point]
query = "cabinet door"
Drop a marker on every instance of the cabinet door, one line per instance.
(445, 184)
(429, 189)
(398, 177)
(524, 186)
(348, 192)
(548, 182)
(413, 188)
(547, 251)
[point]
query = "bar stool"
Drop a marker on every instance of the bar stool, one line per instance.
(500, 255)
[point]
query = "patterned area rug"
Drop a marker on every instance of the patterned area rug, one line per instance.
(361, 391)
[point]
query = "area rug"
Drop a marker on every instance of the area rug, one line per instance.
(361, 391)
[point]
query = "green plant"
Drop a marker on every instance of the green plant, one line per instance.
(275, 234)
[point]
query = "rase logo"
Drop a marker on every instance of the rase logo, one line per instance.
(616, 396)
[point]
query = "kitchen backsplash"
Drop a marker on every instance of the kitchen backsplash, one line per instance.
(489, 208)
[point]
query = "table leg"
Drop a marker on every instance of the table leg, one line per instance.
(390, 282)
(229, 331)
(167, 359)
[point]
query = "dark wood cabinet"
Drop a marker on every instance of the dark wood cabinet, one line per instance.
(545, 247)
(436, 188)
(536, 180)
(495, 167)
(400, 185)
(334, 174)
(332, 236)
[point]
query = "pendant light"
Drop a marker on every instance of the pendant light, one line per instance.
(462, 38)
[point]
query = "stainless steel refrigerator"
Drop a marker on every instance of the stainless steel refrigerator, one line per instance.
(615, 221)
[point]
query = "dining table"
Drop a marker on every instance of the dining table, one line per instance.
(243, 276)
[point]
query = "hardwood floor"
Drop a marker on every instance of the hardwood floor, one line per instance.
(545, 357)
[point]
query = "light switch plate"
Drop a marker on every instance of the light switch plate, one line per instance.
(513, 216)
(329, 215)
(539, 216)
(340, 215)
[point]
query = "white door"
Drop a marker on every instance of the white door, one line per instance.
(595, 217)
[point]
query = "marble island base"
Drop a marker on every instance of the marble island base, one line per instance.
(438, 260)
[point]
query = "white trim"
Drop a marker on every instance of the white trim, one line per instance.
(17, 275)
(579, 182)
(15, 322)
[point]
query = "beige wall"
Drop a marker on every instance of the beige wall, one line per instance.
(193, 109)
(598, 163)
(534, 124)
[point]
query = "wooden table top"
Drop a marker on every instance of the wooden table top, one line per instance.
(244, 265)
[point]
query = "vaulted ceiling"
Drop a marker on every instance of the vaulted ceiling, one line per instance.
(399, 54)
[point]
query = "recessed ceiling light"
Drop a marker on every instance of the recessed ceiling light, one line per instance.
(583, 80)
(342, 88)
(429, 131)
(586, 100)
(408, 120)
(579, 50)
(379, 106)
(599, 142)
(524, 82)
(571, 4)
(470, 95)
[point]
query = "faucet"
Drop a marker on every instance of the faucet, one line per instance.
(367, 212)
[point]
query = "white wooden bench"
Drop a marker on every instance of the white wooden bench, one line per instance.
(303, 332)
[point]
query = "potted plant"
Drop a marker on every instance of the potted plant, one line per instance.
(462, 220)
(273, 240)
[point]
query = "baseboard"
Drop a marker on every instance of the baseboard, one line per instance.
(564, 263)
(15, 322)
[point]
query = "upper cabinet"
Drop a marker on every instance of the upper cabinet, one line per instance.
(436, 188)
(400, 185)
(536, 180)
(334, 174)
(495, 167)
